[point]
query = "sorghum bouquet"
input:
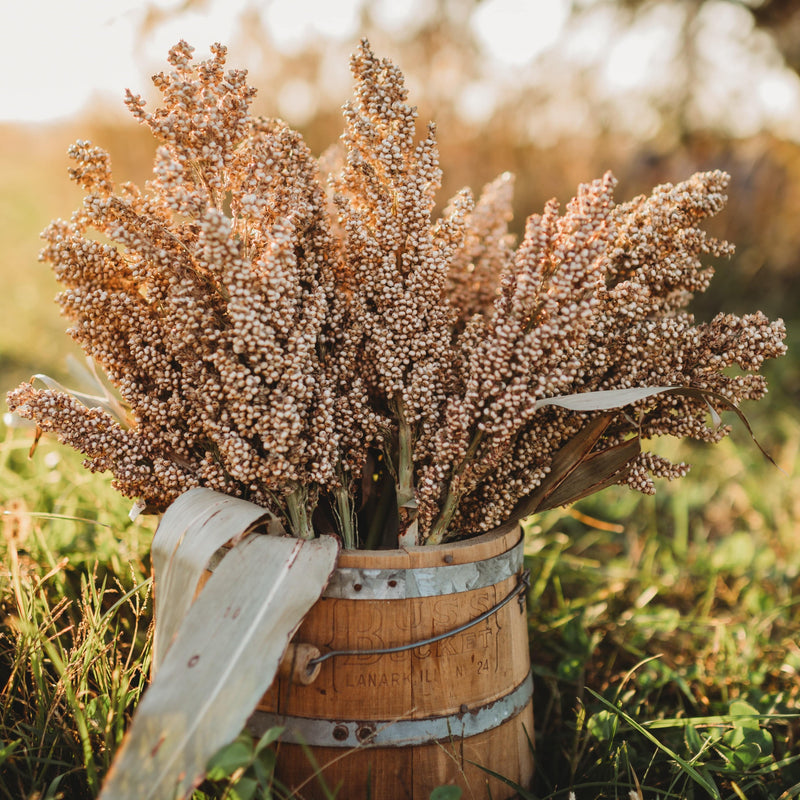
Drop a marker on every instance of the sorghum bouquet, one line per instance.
(303, 333)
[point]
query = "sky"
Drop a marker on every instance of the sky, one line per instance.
(64, 54)
(58, 56)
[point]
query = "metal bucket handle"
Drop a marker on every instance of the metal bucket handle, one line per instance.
(523, 583)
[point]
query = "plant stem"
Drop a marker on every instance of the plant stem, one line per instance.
(439, 528)
(405, 464)
(406, 497)
(345, 515)
(452, 498)
(297, 506)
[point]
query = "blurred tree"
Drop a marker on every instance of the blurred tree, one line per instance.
(781, 19)
(654, 70)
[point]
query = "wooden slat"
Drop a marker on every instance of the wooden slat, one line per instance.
(469, 670)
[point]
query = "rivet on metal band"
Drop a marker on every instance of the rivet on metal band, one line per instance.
(361, 583)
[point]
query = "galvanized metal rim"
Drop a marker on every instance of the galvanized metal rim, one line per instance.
(351, 583)
(395, 733)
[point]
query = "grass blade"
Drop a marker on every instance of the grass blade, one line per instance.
(706, 784)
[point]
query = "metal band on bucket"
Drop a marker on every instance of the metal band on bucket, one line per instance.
(353, 583)
(394, 733)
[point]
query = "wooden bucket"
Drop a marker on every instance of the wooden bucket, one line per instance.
(398, 724)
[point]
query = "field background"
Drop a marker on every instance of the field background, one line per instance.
(651, 618)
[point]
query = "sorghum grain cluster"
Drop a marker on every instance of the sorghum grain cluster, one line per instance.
(299, 339)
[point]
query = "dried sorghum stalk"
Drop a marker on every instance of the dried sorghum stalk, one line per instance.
(277, 340)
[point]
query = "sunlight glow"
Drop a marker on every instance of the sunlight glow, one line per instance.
(54, 57)
(293, 22)
(516, 31)
(62, 57)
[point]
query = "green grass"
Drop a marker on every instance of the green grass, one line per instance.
(75, 609)
(651, 642)
(664, 630)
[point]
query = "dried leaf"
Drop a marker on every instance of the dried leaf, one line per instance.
(705, 394)
(225, 656)
(593, 473)
(563, 464)
(575, 473)
(604, 399)
(105, 401)
(192, 529)
(608, 399)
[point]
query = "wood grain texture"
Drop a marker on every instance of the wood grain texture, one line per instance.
(472, 669)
